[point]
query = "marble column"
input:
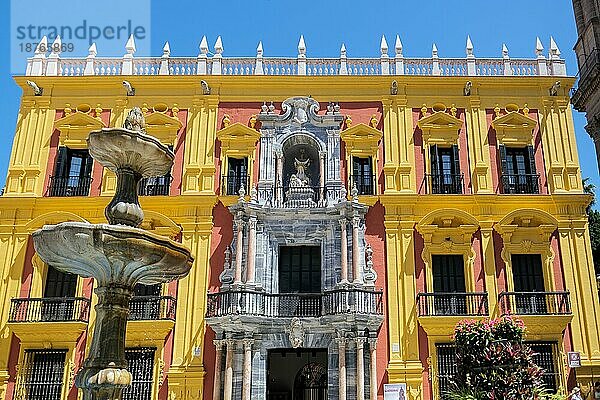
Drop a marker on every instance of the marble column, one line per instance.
(279, 178)
(355, 250)
(322, 155)
(247, 371)
(251, 260)
(373, 368)
(228, 385)
(344, 243)
(239, 247)
(342, 367)
(360, 368)
(218, 367)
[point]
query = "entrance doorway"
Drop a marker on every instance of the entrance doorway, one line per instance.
(297, 374)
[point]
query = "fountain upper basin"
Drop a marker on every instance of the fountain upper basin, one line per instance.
(112, 254)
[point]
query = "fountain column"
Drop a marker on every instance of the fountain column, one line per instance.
(247, 371)
(251, 258)
(355, 251)
(239, 247)
(344, 251)
(360, 368)
(342, 367)
(218, 367)
(373, 368)
(228, 384)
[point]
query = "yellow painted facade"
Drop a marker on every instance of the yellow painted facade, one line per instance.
(443, 223)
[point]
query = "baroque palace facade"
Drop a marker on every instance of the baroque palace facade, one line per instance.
(344, 215)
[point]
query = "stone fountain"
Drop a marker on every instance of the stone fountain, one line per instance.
(118, 255)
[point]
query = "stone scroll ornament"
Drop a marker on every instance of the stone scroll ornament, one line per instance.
(369, 274)
(117, 255)
(296, 333)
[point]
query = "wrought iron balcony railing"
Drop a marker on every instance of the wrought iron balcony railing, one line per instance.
(535, 303)
(49, 309)
(521, 184)
(231, 184)
(463, 304)
(153, 308)
(365, 184)
(156, 186)
(282, 305)
(443, 183)
(68, 186)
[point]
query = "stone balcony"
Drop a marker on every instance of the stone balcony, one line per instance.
(217, 64)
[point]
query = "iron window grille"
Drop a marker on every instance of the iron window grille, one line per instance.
(446, 368)
(140, 362)
(544, 355)
(43, 373)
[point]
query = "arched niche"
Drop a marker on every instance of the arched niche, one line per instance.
(302, 147)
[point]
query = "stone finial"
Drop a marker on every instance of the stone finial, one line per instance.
(42, 47)
(343, 51)
(92, 51)
(348, 121)
(203, 46)
(354, 193)
(383, 46)
(166, 50)
(219, 45)
(56, 46)
(259, 49)
(539, 48)
(130, 45)
(242, 194)
(398, 46)
(504, 51)
(374, 121)
(252, 121)
(226, 120)
(469, 48)
(301, 47)
(434, 51)
(264, 108)
(254, 195)
(554, 50)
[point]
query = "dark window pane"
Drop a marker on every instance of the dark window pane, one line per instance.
(43, 373)
(300, 269)
(141, 366)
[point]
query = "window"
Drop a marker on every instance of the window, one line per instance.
(140, 362)
(72, 173)
(59, 285)
(518, 170)
(300, 269)
(43, 374)
(446, 366)
(445, 177)
(145, 304)
(362, 176)
(528, 278)
(156, 185)
(237, 176)
(544, 357)
(449, 282)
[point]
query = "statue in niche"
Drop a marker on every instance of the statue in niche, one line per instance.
(300, 178)
(300, 194)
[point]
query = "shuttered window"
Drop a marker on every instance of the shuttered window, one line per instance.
(300, 269)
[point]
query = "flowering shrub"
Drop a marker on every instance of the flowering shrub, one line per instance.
(493, 362)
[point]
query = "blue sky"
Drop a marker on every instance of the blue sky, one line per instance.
(325, 25)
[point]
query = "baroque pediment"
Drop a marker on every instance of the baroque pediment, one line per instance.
(75, 127)
(440, 128)
(162, 126)
(362, 136)
(514, 128)
(238, 137)
(300, 111)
